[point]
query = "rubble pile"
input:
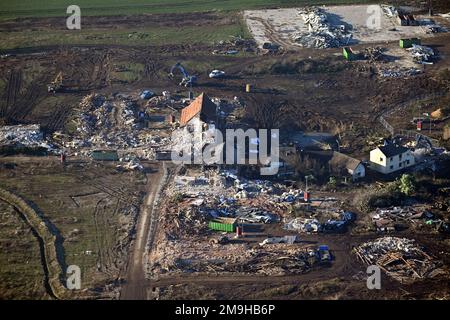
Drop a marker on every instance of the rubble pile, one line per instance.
(304, 225)
(374, 54)
(185, 219)
(394, 218)
(398, 72)
(234, 46)
(389, 11)
(313, 225)
(421, 54)
(164, 101)
(321, 33)
(115, 124)
(400, 258)
(187, 257)
(29, 136)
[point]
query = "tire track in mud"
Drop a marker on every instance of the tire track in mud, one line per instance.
(12, 91)
(25, 104)
(58, 119)
(271, 33)
(105, 259)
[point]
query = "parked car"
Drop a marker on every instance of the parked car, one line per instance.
(324, 255)
(348, 216)
(250, 219)
(334, 226)
(146, 94)
(216, 74)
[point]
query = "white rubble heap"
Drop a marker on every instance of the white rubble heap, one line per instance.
(389, 11)
(400, 258)
(111, 124)
(219, 191)
(29, 136)
(321, 33)
(398, 72)
(421, 54)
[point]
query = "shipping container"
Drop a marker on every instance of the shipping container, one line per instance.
(223, 224)
(408, 43)
(104, 155)
(348, 53)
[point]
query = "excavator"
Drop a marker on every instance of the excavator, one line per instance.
(187, 80)
(56, 84)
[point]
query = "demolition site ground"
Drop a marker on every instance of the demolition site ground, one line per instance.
(143, 233)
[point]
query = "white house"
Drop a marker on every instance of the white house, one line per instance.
(391, 158)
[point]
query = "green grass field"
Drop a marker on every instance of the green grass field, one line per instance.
(134, 37)
(43, 8)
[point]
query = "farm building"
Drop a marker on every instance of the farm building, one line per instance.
(201, 110)
(341, 164)
(391, 158)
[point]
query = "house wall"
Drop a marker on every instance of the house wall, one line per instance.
(359, 172)
(380, 163)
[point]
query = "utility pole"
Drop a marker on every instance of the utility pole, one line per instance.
(430, 7)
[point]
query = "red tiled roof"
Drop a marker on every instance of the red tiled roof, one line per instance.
(203, 105)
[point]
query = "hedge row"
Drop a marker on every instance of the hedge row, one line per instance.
(55, 270)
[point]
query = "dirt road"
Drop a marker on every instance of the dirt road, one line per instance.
(134, 287)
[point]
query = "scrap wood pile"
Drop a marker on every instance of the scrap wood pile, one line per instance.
(321, 34)
(400, 258)
(271, 263)
(374, 54)
(386, 219)
(188, 257)
(184, 219)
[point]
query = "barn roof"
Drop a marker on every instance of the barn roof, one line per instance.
(201, 105)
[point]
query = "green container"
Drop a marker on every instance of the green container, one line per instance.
(104, 155)
(224, 224)
(348, 54)
(408, 43)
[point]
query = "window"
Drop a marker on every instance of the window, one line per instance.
(381, 159)
(400, 157)
(391, 167)
(390, 159)
(400, 164)
(407, 161)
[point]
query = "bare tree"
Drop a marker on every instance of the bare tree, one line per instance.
(267, 112)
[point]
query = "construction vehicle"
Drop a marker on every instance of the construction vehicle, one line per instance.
(56, 84)
(323, 254)
(187, 80)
